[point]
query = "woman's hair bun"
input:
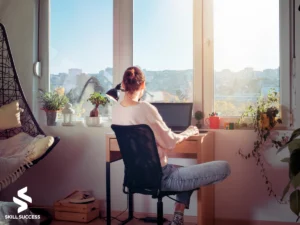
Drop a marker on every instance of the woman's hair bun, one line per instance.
(133, 77)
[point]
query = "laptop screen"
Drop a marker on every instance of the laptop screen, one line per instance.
(177, 116)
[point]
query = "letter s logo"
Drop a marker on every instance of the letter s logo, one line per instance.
(23, 205)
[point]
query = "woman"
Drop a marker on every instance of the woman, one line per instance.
(175, 178)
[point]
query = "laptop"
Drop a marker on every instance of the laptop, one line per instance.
(177, 116)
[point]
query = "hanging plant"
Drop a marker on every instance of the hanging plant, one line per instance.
(263, 116)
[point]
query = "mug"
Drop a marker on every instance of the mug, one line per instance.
(213, 122)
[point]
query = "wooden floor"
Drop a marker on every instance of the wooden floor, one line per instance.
(103, 222)
(100, 221)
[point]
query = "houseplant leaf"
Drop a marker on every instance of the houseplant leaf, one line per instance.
(295, 134)
(296, 181)
(287, 160)
(294, 144)
(294, 165)
(295, 202)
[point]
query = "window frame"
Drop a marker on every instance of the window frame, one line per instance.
(203, 76)
(285, 62)
(296, 61)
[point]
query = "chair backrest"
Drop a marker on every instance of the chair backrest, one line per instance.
(143, 170)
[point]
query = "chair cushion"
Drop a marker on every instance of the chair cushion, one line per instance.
(10, 115)
(40, 147)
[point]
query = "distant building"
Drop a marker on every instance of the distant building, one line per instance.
(62, 77)
(54, 81)
(73, 72)
(71, 81)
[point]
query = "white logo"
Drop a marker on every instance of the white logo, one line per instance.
(23, 205)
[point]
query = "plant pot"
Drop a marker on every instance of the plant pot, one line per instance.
(265, 121)
(198, 125)
(93, 121)
(51, 118)
(213, 122)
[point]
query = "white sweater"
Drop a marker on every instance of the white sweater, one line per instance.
(145, 113)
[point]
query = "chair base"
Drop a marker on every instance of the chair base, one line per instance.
(152, 219)
(145, 219)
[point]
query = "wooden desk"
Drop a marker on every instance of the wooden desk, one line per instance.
(200, 147)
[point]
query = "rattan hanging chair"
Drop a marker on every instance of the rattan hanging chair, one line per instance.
(11, 90)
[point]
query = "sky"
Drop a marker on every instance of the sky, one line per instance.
(246, 34)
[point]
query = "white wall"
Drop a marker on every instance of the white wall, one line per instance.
(20, 21)
(79, 162)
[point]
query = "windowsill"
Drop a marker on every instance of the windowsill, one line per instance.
(279, 128)
(105, 123)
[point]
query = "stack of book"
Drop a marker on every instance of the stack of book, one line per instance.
(79, 206)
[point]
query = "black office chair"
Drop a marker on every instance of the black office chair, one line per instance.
(143, 172)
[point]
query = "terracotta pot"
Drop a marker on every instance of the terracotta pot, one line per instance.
(95, 112)
(265, 121)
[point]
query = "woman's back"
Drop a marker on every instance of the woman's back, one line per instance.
(145, 113)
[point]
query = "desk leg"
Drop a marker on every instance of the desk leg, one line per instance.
(108, 207)
(206, 195)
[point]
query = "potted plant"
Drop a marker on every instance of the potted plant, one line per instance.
(293, 161)
(263, 116)
(52, 102)
(96, 99)
(198, 116)
(213, 121)
(264, 113)
(213, 114)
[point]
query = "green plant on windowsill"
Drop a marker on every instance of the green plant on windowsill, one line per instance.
(198, 116)
(97, 99)
(293, 161)
(52, 102)
(263, 116)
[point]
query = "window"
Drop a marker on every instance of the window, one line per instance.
(81, 48)
(220, 55)
(246, 52)
(163, 48)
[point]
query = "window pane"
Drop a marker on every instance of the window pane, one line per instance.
(163, 48)
(246, 52)
(81, 48)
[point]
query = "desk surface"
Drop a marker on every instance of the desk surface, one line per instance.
(194, 137)
(188, 148)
